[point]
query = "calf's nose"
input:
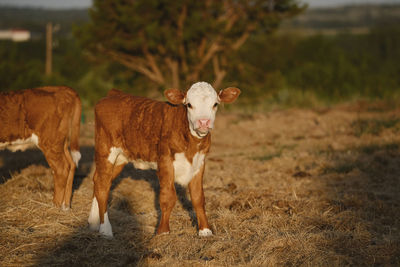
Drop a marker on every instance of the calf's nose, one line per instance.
(204, 123)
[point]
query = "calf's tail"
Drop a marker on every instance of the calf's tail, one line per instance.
(75, 129)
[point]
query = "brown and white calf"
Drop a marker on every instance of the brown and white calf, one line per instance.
(48, 117)
(170, 137)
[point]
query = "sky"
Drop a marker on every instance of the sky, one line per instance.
(56, 4)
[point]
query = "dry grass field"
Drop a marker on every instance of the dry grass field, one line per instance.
(310, 187)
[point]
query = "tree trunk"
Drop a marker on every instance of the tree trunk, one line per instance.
(218, 72)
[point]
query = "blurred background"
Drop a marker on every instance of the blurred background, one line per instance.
(292, 53)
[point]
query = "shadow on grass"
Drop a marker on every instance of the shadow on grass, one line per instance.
(150, 176)
(85, 248)
(362, 185)
(11, 162)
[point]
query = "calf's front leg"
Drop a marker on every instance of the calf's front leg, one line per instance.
(198, 202)
(167, 193)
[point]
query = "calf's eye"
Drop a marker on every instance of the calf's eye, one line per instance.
(215, 105)
(189, 105)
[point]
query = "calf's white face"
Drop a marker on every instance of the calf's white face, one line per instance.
(201, 101)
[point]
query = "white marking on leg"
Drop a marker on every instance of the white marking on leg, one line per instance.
(105, 228)
(117, 156)
(205, 232)
(35, 139)
(94, 217)
(76, 156)
(64, 207)
(163, 233)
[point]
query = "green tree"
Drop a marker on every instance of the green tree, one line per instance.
(18, 69)
(174, 43)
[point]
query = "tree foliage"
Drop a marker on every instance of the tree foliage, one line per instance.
(333, 68)
(175, 43)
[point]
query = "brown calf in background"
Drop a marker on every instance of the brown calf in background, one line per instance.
(48, 117)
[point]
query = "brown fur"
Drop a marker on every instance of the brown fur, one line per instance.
(53, 114)
(152, 131)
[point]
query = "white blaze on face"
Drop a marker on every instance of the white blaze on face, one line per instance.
(201, 101)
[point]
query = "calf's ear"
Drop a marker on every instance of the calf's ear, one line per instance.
(228, 95)
(174, 96)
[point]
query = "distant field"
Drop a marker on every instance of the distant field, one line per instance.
(316, 187)
(346, 17)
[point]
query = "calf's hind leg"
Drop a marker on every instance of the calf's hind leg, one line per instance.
(60, 167)
(98, 218)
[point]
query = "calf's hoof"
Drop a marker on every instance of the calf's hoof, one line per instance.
(163, 230)
(65, 207)
(94, 226)
(163, 233)
(205, 232)
(105, 230)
